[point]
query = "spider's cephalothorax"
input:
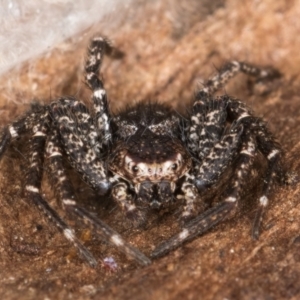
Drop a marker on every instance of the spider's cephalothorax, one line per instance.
(147, 155)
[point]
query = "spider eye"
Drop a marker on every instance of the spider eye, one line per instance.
(134, 169)
(174, 167)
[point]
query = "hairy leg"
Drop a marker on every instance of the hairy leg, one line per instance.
(268, 146)
(97, 48)
(33, 181)
(67, 197)
(79, 137)
(17, 128)
(207, 123)
(220, 212)
(231, 69)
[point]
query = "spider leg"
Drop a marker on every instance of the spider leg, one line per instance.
(67, 196)
(273, 164)
(85, 123)
(218, 158)
(233, 68)
(33, 181)
(209, 114)
(268, 146)
(78, 138)
(207, 124)
(6, 138)
(214, 148)
(272, 152)
(14, 130)
(96, 51)
(220, 212)
(211, 168)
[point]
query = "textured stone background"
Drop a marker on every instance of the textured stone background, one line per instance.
(170, 48)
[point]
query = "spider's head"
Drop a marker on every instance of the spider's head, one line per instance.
(152, 165)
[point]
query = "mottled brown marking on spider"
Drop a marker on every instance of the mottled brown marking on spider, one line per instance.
(148, 155)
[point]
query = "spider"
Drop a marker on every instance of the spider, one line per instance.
(147, 156)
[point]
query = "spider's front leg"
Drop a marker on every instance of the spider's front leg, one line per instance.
(33, 180)
(247, 136)
(67, 197)
(210, 169)
(84, 137)
(213, 149)
(223, 210)
(79, 139)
